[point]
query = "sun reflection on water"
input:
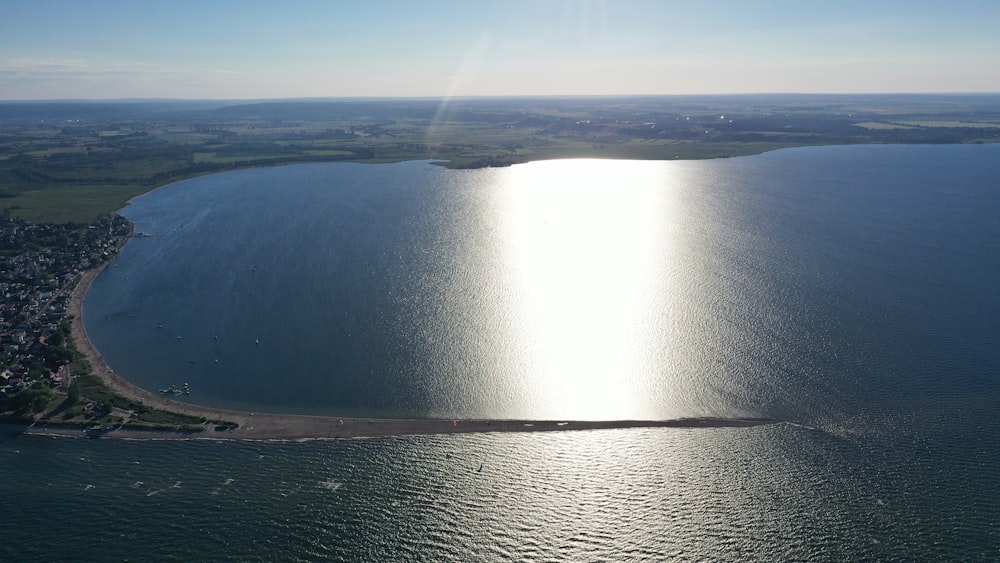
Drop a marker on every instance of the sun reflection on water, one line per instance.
(588, 264)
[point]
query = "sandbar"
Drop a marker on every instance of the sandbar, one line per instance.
(276, 426)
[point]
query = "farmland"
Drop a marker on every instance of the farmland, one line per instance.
(75, 161)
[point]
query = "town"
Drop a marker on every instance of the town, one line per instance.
(40, 265)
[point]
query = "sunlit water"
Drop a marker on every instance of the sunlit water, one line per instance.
(850, 291)
(545, 290)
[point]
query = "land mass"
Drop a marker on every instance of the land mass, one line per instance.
(75, 161)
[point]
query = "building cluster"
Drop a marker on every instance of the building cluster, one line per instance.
(40, 265)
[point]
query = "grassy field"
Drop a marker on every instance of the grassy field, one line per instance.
(72, 204)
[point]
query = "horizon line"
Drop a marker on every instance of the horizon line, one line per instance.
(493, 97)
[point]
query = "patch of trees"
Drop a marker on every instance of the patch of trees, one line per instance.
(29, 400)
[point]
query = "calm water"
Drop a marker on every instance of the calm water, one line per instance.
(850, 291)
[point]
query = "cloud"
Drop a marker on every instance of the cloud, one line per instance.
(44, 65)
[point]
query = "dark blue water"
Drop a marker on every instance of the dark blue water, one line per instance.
(767, 493)
(850, 291)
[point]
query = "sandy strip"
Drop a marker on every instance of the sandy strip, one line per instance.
(279, 427)
(272, 426)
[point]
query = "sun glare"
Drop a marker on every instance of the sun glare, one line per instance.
(585, 261)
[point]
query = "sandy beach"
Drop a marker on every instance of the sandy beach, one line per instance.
(273, 426)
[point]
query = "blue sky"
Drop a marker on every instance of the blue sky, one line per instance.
(59, 49)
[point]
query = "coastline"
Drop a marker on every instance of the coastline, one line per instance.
(276, 426)
(287, 428)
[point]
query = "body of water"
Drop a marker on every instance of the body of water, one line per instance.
(848, 291)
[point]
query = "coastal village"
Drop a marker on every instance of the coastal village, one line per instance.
(40, 265)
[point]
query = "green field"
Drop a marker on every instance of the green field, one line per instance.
(71, 204)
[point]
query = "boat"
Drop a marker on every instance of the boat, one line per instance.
(173, 390)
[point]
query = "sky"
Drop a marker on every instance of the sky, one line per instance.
(250, 49)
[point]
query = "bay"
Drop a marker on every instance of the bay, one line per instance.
(567, 289)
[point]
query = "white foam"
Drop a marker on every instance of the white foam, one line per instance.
(330, 485)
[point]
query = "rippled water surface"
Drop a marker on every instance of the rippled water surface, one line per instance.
(564, 289)
(766, 493)
(848, 291)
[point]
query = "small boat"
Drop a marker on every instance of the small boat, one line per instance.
(172, 390)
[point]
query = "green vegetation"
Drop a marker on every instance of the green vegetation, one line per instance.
(69, 204)
(88, 401)
(72, 162)
(32, 399)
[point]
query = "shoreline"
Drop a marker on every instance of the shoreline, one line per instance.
(276, 426)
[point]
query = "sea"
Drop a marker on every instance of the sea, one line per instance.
(850, 293)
